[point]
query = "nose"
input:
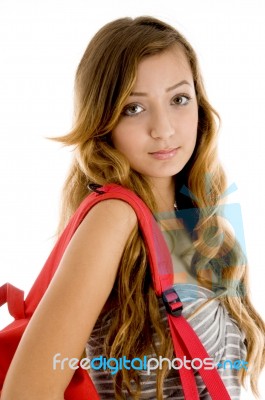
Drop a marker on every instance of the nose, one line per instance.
(161, 126)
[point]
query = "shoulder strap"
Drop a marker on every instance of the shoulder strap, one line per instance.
(159, 257)
(186, 343)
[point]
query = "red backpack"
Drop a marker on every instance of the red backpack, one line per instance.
(185, 340)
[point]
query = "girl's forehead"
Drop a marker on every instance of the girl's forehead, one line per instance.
(164, 67)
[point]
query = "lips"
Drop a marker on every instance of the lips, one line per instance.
(164, 154)
(163, 151)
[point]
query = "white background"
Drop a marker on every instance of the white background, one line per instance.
(41, 45)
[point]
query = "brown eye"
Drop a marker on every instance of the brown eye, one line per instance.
(181, 100)
(132, 109)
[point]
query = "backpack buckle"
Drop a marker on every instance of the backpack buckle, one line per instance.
(172, 302)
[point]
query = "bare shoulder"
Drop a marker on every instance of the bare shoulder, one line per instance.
(118, 208)
(111, 213)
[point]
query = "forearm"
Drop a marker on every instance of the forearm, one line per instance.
(15, 392)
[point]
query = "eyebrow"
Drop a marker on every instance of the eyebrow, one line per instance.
(184, 82)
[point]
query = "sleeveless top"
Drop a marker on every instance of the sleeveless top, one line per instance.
(217, 330)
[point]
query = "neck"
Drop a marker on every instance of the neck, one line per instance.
(164, 193)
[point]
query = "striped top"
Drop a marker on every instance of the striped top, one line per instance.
(218, 332)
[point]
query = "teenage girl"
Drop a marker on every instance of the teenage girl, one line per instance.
(143, 121)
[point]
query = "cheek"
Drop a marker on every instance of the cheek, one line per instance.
(126, 137)
(122, 140)
(188, 127)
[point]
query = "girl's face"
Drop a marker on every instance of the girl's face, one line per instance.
(157, 129)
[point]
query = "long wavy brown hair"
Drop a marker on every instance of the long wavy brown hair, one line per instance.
(104, 79)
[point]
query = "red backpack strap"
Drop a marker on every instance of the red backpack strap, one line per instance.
(187, 343)
(185, 340)
(157, 248)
